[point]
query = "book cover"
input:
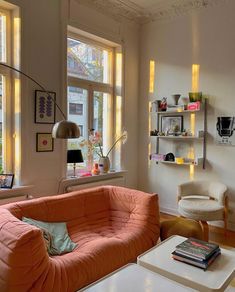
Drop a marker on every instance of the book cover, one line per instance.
(193, 256)
(203, 264)
(197, 248)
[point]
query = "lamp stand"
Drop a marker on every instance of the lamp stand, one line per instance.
(74, 169)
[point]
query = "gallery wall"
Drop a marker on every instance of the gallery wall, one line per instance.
(43, 56)
(205, 37)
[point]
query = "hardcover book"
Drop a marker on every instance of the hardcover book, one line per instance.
(197, 248)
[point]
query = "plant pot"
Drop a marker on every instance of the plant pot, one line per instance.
(104, 164)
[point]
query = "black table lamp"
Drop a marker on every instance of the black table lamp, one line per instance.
(74, 156)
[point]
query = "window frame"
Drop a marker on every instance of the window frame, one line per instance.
(7, 112)
(93, 86)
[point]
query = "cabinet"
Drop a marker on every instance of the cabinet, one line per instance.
(197, 137)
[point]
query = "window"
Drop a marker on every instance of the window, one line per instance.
(9, 54)
(90, 89)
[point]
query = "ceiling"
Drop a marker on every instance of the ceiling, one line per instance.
(142, 11)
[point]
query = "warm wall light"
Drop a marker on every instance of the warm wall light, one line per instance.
(195, 77)
(192, 123)
(119, 69)
(151, 75)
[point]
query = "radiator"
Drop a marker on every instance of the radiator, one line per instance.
(117, 181)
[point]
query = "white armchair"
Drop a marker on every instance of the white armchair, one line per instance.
(203, 201)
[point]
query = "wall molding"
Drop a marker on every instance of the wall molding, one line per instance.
(126, 9)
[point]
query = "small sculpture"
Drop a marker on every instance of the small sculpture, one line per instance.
(163, 104)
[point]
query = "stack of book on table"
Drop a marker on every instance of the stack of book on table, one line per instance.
(196, 252)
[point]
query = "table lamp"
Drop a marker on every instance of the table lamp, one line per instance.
(63, 129)
(74, 156)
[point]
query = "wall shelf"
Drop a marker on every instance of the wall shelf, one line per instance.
(200, 138)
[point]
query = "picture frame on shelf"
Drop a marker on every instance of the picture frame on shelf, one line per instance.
(172, 125)
(44, 107)
(44, 142)
(6, 180)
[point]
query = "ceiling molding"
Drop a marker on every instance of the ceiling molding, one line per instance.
(127, 9)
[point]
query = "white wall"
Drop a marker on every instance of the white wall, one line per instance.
(44, 26)
(204, 37)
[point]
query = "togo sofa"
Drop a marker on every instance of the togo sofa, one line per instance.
(111, 226)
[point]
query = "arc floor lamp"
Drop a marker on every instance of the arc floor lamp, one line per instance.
(63, 129)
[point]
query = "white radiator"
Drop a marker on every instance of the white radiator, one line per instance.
(116, 181)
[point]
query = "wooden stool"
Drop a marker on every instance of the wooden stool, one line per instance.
(181, 226)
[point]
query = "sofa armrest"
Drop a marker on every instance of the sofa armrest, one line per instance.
(23, 256)
(136, 207)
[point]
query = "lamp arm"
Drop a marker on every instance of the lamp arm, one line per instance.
(26, 75)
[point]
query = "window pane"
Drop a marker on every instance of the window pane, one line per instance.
(88, 62)
(78, 112)
(1, 120)
(102, 117)
(2, 38)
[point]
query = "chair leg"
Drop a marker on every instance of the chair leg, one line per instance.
(205, 229)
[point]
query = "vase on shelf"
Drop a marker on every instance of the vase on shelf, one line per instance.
(104, 164)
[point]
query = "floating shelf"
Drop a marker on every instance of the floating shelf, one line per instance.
(197, 162)
(180, 137)
(176, 112)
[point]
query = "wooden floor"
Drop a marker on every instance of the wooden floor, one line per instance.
(216, 234)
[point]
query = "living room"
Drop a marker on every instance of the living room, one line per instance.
(176, 36)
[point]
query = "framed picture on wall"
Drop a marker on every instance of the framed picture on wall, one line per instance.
(172, 125)
(44, 107)
(6, 181)
(44, 142)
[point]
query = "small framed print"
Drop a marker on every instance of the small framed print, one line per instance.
(44, 142)
(44, 107)
(172, 125)
(6, 181)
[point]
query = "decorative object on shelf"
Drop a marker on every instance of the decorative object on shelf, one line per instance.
(170, 157)
(44, 107)
(163, 104)
(195, 96)
(172, 125)
(6, 181)
(96, 170)
(44, 142)
(104, 164)
(193, 106)
(154, 132)
(183, 101)
(155, 105)
(63, 129)
(176, 98)
(74, 156)
(225, 131)
(158, 157)
(179, 160)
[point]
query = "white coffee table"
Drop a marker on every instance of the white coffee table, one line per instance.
(134, 278)
(216, 278)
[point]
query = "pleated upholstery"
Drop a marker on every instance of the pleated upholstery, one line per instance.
(112, 226)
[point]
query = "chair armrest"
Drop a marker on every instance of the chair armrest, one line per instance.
(23, 256)
(218, 191)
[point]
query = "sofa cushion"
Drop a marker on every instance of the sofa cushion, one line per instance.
(55, 235)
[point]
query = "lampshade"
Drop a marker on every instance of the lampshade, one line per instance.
(65, 130)
(74, 156)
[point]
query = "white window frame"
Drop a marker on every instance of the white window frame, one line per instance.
(92, 86)
(7, 120)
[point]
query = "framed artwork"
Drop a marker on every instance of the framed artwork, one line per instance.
(225, 134)
(6, 181)
(172, 125)
(44, 142)
(44, 107)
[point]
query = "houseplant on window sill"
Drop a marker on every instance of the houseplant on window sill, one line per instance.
(104, 162)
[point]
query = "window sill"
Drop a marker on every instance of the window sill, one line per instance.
(71, 181)
(16, 191)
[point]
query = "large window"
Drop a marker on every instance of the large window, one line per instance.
(90, 90)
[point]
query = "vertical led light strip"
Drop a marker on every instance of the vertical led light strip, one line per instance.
(151, 90)
(118, 107)
(195, 88)
(17, 130)
(151, 76)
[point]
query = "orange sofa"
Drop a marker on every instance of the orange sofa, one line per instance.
(111, 225)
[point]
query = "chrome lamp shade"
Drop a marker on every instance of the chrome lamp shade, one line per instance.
(65, 130)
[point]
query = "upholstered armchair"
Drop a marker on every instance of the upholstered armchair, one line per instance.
(203, 201)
